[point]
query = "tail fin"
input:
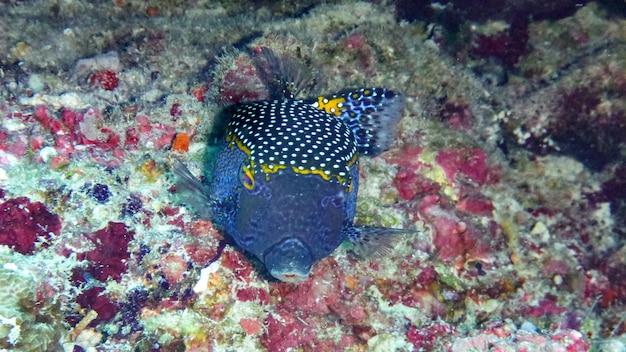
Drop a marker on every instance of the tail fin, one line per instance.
(192, 192)
(371, 113)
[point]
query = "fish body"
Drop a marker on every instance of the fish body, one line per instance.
(285, 182)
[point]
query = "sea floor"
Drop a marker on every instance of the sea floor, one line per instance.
(508, 166)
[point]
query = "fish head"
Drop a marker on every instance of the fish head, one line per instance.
(289, 221)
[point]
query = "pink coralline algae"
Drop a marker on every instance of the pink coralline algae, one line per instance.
(328, 293)
(241, 83)
(72, 128)
(476, 204)
(410, 184)
(362, 56)
(61, 136)
(504, 340)
(546, 307)
(106, 79)
(409, 180)
(324, 294)
(427, 337)
(610, 288)
(238, 263)
(253, 294)
(455, 239)
(286, 332)
(199, 92)
(470, 163)
(23, 224)
(161, 135)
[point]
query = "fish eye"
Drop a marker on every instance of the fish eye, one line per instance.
(335, 200)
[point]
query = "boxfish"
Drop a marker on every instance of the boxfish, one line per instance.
(285, 182)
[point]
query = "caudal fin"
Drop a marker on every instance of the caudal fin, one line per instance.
(371, 113)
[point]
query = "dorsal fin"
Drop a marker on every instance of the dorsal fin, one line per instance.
(284, 76)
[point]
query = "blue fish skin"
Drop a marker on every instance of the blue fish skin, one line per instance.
(285, 183)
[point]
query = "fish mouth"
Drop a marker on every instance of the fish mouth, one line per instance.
(289, 260)
(291, 277)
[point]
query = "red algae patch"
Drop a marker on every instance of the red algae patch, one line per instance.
(109, 258)
(23, 224)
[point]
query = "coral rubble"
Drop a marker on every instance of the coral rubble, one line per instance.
(508, 167)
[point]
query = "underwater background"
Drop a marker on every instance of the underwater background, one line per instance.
(508, 167)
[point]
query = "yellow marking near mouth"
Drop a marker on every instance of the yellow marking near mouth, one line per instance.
(248, 170)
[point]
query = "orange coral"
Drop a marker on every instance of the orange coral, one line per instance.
(181, 142)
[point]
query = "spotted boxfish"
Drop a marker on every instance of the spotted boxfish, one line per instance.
(284, 185)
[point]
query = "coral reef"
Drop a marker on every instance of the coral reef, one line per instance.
(508, 166)
(31, 316)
